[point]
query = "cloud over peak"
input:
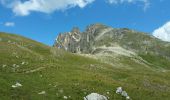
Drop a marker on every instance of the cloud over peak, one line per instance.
(163, 32)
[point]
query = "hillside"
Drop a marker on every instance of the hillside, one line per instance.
(48, 73)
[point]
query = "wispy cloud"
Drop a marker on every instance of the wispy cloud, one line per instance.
(163, 32)
(9, 24)
(146, 3)
(24, 8)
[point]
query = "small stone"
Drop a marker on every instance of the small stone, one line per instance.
(127, 98)
(22, 63)
(65, 97)
(119, 90)
(17, 85)
(124, 93)
(42, 92)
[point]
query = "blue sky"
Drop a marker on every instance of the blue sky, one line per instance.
(43, 22)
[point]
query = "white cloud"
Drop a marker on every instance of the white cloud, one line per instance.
(146, 3)
(24, 8)
(45, 6)
(9, 24)
(163, 32)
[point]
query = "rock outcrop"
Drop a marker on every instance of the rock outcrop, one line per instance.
(81, 42)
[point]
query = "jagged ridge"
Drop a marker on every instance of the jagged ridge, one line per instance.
(98, 35)
(109, 44)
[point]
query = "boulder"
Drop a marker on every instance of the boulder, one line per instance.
(95, 96)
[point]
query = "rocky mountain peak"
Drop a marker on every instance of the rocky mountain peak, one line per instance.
(101, 38)
(76, 41)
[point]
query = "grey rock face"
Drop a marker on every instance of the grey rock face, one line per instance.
(69, 41)
(79, 42)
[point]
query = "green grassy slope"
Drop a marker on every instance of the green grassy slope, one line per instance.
(60, 73)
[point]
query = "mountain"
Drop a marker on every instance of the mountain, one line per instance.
(30, 70)
(110, 45)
